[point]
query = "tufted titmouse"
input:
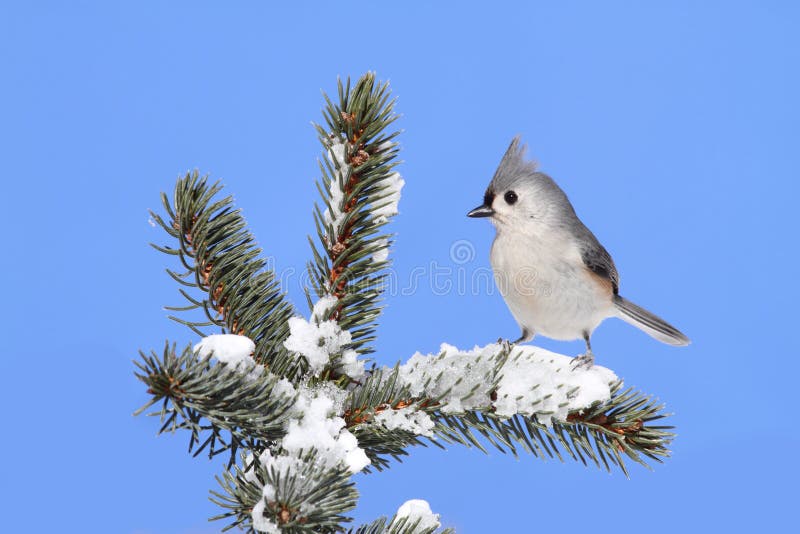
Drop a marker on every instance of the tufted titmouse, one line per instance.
(554, 275)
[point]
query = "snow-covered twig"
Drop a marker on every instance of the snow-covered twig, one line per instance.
(529, 381)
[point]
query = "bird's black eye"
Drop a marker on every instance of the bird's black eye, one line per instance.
(510, 197)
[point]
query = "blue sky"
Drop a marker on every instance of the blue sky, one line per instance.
(673, 127)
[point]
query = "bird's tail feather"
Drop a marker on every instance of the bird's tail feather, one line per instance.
(648, 323)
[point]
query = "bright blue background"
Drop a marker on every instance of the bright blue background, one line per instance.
(674, 128)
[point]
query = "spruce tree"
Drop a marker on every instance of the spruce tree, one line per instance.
(290, 402)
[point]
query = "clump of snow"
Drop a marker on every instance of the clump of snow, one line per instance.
(322, 308)
(316, 342)
(284, 388)
(532, 381)
(462, 379)
(418, 511)
(232, 350)
(382, 254)
(388, 204)
(350, 365)
(227, 348)
(408, 418)
(337, 395)
(539, 382)
(337, 154)
(318, 427)
(319, 341)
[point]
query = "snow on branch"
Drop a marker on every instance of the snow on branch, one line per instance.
(316, 444)
(338, 158)
(417, 514)
(317, 425)
(528, 381)
(314, 422)
(508, 381)
(322, 342)
(408, 418)
(232, 350)
(385, 204)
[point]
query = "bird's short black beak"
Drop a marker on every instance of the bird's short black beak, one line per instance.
(481, 211)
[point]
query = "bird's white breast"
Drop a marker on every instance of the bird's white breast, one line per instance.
(546, 286)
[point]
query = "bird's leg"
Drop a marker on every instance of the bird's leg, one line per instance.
(526, 336)
(507, 345)
(587, 358)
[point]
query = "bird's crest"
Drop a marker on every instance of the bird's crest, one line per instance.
(513, 167)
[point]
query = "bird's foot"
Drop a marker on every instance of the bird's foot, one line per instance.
(585, 360)
(505, 344)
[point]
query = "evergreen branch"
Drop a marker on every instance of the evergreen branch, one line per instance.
(308, 498)
(600, 434)
(359, 193)
(223, 409)
(222, 261)
(478, 401)
(376, 527)
(380, 391)
(603, 433)
(383, 525)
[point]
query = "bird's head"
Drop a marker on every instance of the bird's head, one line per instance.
(519, 197)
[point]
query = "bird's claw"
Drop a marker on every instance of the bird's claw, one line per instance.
(506, 344)
(585, 360)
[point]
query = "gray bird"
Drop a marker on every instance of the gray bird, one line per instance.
(555, 276)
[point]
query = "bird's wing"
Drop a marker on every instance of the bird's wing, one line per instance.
(598, 260)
